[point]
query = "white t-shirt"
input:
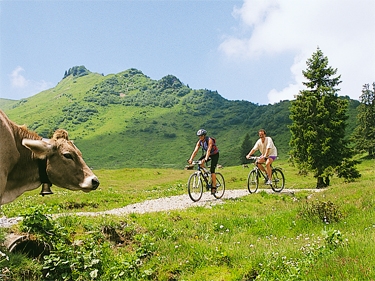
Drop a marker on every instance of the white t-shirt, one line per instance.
(262, 146)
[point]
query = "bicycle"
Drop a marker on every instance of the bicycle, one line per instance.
(196, 179)
(278, 179)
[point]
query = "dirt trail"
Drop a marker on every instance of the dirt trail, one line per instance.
(178, 202)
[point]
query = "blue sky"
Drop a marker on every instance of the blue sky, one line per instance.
(251, 50)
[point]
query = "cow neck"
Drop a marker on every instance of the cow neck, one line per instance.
(42, 167)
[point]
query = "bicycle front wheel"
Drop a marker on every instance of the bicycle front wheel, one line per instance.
(220, 186)
(195, 187)
(278, 180)
(253, 181)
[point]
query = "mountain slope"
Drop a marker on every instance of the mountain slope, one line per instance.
(130, 120)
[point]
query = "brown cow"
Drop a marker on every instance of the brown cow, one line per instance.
(27, 160)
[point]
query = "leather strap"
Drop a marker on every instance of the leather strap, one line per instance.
(42, 165)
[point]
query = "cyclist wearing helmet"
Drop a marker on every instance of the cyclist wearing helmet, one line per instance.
(211, 152)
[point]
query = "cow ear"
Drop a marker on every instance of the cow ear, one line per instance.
(60, 133)
(40, 148)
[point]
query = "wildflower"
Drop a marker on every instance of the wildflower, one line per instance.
(3, 255)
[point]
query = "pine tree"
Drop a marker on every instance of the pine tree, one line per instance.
(319, 121)
(364, 133)
(245, 148)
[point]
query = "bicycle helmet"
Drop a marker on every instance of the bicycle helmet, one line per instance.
(201, 132)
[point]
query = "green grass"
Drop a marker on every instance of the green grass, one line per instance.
(131, 185)
(117, 188)
(263, 236)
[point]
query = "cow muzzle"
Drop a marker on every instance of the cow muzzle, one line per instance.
(95, 183)
(90, 183)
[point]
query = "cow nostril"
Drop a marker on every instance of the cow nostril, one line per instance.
(95, 183)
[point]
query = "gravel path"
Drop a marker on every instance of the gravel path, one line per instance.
(165, 204)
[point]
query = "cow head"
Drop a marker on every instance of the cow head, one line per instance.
(65, 166)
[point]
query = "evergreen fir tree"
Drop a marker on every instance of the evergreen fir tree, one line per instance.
(245, 148)
(319, 121)
(364, 133)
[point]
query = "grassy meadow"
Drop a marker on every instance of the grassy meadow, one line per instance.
(327, 235)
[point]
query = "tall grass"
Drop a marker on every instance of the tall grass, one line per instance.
(291, 236)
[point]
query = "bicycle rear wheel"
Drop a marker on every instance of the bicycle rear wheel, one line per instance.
(278, 180)
(253, 181)
(220, 186)
(195, 187)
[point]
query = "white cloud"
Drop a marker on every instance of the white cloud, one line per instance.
(343, 29)
(292, 89)
(24, 87)
(16, 78)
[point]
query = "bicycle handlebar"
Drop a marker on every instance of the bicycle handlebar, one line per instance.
(256, 157)
(195, 162)
(253, 158)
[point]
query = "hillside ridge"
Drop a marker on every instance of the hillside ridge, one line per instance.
(130, 120)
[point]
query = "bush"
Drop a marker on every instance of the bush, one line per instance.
(325, 211)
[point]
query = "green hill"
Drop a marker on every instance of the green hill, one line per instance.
(130, 120)
(6, 104)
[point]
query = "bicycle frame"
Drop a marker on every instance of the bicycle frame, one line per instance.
(260, 172)
(205, 173)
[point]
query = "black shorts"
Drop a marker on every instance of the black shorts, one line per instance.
(214, 158)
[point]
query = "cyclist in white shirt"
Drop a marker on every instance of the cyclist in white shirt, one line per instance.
(269, 153)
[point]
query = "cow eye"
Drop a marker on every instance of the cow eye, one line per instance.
(68, 156)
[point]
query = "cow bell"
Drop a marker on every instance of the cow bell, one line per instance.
(46, 189)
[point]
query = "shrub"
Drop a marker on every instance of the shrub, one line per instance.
(325, 211)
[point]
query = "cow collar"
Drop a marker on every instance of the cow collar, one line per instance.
(42, 166)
